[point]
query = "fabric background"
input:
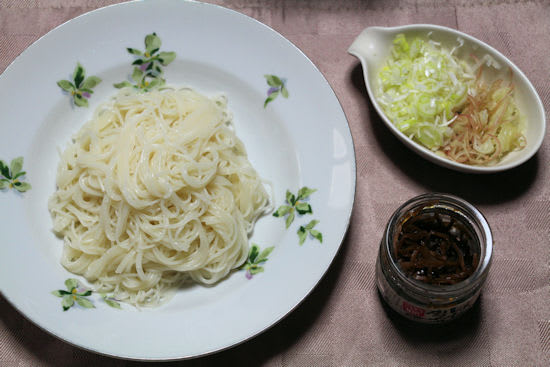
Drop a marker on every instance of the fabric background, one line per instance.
(343, 322)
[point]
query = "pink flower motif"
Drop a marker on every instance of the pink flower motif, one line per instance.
(142, 67)
(248, 275)
(86, 95)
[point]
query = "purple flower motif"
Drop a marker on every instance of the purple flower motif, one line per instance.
(143, 67)
(86, 95)
(248, 275)
(272, 90)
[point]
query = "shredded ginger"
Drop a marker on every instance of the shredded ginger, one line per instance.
(436, 99)
(489, 126)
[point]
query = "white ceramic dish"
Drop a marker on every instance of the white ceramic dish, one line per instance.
(372, 48)
(300, 140)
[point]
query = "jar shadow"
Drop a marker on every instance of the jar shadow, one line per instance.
(463, 341)
(414, 332)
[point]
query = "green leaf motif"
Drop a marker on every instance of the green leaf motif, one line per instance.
(254, 251)
(155, 83)
(271, 97)
(166, 58)
(303, 208)
(278, 82)
(113, 304)
(137, 75)
(318, 235)
(5, 170)
(67, 302)
(80, 101)
(305, 192)
(66, 85)
(78, 75)
(273, 80)
(110, 301)
(4, 183)
(264, 254)
(134, 51)
(311, 224)
(256, 269)
(90, 82)
(290, 198)
(84, 302)
(152, 42)
(122, 84)
(282, 211)
(22, 186)
(155, 72)
(71, 284)
(22, 173)
(290, 219)
(284, 92)
(302, 235)
(16, 165)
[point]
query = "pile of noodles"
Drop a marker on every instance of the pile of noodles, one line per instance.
(154, 190)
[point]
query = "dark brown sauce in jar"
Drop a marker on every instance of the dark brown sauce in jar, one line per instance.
(434, 257)
(436, 246)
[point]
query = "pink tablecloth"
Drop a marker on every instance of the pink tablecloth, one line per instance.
(343, 322)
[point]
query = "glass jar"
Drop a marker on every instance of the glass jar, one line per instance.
(419, 300)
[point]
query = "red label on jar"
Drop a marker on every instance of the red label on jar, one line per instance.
(413, 310)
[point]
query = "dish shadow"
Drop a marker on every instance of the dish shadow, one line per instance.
(477, 188)
(49, 350)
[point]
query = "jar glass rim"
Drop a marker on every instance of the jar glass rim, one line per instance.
(481, 228)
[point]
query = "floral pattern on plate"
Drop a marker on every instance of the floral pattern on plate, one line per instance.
(81, 87)
(148, 72)
(11, 176)
(277, 86)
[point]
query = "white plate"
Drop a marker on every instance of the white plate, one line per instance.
(301, 140)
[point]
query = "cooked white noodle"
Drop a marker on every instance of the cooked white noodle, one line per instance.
(156, 188)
